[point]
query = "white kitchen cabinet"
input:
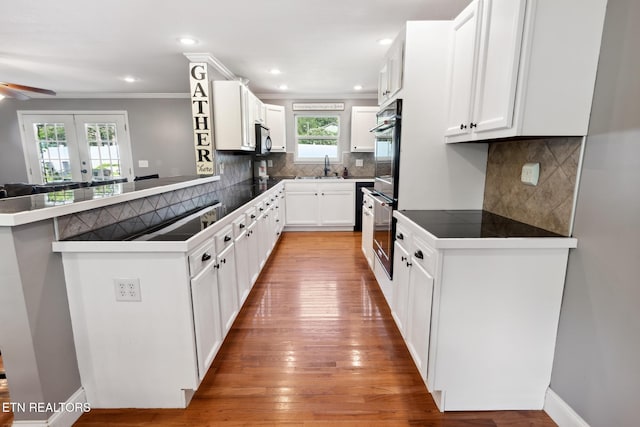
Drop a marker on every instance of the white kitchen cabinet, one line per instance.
(275, 121)
(226, 268)
(367, 229)
(362, 120)
(320, 204)
(390, 76)
(482, 315)
(400, 301)
(231, 112)
(510, 74)
(418, 324)
(253, 252)
(206, 317)
(241, 246)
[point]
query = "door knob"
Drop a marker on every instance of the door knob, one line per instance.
(84, 171)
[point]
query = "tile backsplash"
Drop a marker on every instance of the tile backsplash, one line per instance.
(547, 205)
(283, 165)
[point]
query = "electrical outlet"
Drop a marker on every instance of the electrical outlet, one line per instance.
(221, 168)
(270, 163)
(127, 289)
(530, 173)
(359, 163)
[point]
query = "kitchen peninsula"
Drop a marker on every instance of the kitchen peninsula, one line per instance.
(35, 321)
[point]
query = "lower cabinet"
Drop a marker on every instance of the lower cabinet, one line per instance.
(321, 204)
(367, 229)
(226, 269)
(479, 316)
(418, 325)
(206, 319)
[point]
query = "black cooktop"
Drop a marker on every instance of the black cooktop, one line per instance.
(470, 224)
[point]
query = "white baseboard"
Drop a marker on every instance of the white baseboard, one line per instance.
(560, 412)
(60, 419)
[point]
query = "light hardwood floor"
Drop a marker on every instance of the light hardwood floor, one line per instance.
(315, 344)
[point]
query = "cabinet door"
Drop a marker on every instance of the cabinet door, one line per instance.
(302, 207)
(367, 235)
(395, 66)
(253, 249)
(275, 121)
(461, 70)
(206, 317)
(227, 287)
(242, 259)
(383, 84)
(362, 120)
(337, 207)
(498, 61)
(401, 270)
(419, 315)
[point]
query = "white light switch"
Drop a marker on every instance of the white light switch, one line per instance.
(530, 173)
(359, 163)
(143, 163)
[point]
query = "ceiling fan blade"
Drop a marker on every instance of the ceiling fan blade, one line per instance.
(28, 88)
(12, 93)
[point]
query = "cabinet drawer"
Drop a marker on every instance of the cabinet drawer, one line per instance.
(224, 238)
(336, 186)
(201, 258)
(424, 255)
(402, 236)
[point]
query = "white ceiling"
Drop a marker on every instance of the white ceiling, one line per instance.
(86, 48)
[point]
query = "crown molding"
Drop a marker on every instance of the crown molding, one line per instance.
(316, 96)
(113, 95)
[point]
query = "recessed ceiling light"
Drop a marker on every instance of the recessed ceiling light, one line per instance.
(274, 71)
(130, 79)
(1, 97)
(385, 42)
(187, 41)
(357, 87)
(283, 87)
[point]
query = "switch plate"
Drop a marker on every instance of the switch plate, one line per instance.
(221, 168)
(270, 163)
(359, 163)
(530, 173)
(143, 163)
(127, 289)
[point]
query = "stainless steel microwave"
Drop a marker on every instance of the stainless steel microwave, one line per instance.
(263, 140)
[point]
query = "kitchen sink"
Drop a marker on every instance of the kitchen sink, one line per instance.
(319, 177)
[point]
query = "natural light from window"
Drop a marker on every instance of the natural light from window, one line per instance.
(316, 137)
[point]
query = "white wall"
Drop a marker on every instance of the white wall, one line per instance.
(596, 363)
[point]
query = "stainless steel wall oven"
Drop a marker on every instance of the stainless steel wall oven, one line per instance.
(387, 162)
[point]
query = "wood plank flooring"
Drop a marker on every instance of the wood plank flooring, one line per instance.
(314, 345)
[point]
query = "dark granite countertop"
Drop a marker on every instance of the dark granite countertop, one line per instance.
(229, 199)
(470, 224)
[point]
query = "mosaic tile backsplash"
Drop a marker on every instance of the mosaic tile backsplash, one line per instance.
(547, 205)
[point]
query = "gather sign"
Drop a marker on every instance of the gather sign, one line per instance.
(201, 111)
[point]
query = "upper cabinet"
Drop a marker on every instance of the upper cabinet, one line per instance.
(275, 121)
(236, 110)
(362, 120)
(391, 73)
(523, 68)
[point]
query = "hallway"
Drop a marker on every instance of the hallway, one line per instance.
(315, 344)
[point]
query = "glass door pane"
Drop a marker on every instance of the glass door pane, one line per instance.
(51, 154)
(107, 152)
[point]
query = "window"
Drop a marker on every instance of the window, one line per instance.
(316, 137)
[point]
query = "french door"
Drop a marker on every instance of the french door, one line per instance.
(75, 147)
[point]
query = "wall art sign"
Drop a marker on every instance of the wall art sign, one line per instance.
(202, 123)
(318, 106)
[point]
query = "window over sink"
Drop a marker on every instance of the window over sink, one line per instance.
(317, 136)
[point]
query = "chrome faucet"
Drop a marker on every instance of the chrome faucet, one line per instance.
(326, 165)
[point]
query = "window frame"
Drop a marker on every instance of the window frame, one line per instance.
(296, 156)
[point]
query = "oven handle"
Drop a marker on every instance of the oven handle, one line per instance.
(382, 200)
(386, 124)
